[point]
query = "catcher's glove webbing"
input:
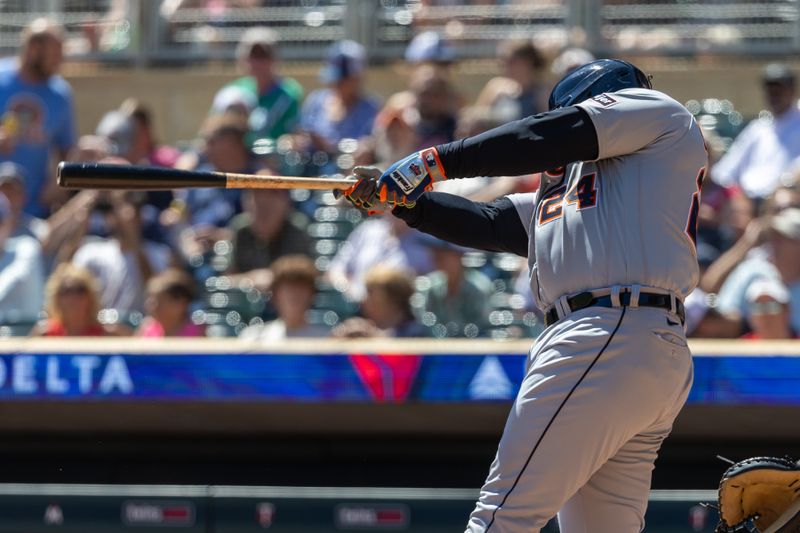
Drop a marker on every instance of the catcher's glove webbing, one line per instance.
(760, 495)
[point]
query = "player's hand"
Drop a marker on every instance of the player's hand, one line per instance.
(405, 181)
(364, 193)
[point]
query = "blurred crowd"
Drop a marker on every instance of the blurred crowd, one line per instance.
(271, 264)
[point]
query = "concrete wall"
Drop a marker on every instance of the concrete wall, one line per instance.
(180, 98)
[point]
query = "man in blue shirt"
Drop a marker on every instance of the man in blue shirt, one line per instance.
(36, 116)
(342, 110)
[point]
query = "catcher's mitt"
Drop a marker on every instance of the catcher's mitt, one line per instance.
(760, 495)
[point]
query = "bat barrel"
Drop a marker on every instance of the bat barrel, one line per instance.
(129, 177)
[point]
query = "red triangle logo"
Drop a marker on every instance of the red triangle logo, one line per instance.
(388, 378)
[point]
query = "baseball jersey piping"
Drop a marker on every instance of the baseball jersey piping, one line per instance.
(552, 419)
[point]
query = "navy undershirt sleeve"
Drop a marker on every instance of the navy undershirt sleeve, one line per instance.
(494, 226)
(533, 144)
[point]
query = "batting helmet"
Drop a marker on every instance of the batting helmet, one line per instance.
(597, 77)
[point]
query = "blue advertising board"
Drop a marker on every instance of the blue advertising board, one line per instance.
(148, 375)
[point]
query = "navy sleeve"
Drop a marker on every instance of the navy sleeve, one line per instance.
(533, 144)
(494, 226)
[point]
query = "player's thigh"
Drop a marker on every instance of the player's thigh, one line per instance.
(614, 500)
(557, 433)
(588, 391)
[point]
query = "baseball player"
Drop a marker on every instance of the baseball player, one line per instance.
(610, 239)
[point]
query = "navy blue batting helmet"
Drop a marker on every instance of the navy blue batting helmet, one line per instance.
(597, 77)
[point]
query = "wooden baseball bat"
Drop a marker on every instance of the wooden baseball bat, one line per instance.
(129, 177)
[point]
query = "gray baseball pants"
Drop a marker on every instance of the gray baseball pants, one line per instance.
(601, 390)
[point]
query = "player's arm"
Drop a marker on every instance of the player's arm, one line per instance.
(533, 144)
(494, 226)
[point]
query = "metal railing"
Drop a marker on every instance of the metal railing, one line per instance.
(188, 31)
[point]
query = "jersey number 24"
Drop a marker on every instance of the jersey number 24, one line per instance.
(583, 195)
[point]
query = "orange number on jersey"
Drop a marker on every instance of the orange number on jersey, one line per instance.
(552, 206)
(584, 194)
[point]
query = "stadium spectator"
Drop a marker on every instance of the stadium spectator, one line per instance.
(145, 150)
(199, 217)
(115, 252)
(766, 148)
(768, 313)
(36, 113)
(387, 303)
(395, 131)
(435, 106)
(777, 261)
(115, 135)
(703, 319)
(72, 304)
(168, 297)
(430, 48)
(342, 110)
(294, 285)
(277, 108)
(520, 91)
(223, 150)
(570, 59)
(724, 216)
(456, 296)
(267, 230)
(127, 133)
(12, 185)
(21, 271)
(378, 240)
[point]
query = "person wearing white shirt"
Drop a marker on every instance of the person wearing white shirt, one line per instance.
(769, 145)
(21, 272)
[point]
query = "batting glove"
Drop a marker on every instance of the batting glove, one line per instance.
(405, 181)
(363, 193)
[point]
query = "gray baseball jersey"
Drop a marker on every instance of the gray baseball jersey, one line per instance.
(628, 218)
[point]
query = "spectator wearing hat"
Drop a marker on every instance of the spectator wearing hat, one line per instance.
(341, 110)
(768, 312)
(768, 146)
(277, 98)
(199, 217)
(223, 150)
(117, 129)
(294, 285)
(435, 105)
(144, 148)
(36, 115)
(21, 271)
(12, 185)
(429, 47)
(569, 59)
(456, 296)
(778, 260)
